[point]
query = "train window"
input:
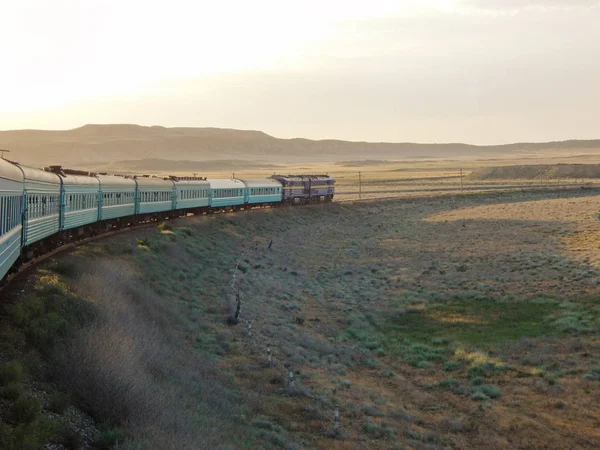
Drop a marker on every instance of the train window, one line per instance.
(5, 224)
(2, 215)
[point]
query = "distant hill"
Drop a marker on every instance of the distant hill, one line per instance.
(172, 166)
(548, 171)
(105, 144)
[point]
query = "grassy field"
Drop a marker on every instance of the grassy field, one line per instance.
(460, 322)
(425, 177)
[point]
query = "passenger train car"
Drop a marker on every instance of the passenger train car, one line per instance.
(42, 209)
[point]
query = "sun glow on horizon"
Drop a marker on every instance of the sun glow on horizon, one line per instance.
(428, 70)
(59, 53)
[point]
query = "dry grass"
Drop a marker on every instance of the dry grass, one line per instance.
(467, 322)
(127, 367)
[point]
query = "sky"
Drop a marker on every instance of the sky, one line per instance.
(475, 71)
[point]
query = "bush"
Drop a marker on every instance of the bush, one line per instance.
(11, 372)
(491, 391)
(424, 365)
(11, 391)
(50, 314)
(34, 435)
(66, 269)
(164, 226)
(378, 431)
(372, 411)
(450, 384)
(6, 436)
(478, 381)
(59, 402)
(479, 396)
(450, 366)
(108, 438)
(26, 409)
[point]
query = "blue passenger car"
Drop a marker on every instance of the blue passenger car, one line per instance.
(226, 193)
(117, 197)
(191, 192)
(260, 192)
(154, 195)
(11, 211)
(42, 204)
(80, 195)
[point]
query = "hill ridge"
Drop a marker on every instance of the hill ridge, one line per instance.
(106, 143)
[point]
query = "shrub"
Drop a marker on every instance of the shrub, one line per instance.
(378, 431)
(450, 366)
(479, 396)
(372, 411)
(108, 438)
(66, 269)
(491, 391)
(59, 402)
(11, 372)
(163, 226)
(50, 314)
(6, 436)
(71, 440)
(337, 433)
(26, 409)
(478, 381)
(424, 365)
(450, 384)
(11, 391)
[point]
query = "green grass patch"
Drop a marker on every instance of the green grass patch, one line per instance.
(481, 323)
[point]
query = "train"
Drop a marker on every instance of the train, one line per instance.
(42, 209)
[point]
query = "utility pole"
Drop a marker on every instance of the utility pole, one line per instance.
(461, 180)
(359, 185)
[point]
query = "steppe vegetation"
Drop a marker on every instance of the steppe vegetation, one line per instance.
(460, 322)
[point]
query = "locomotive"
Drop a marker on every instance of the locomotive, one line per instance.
(43, 209)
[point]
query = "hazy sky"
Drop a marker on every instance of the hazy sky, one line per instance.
(478, 71)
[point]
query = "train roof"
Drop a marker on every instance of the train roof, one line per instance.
(32, 174)
(267, 182)
(10, 171)
(79, 180)
(226, 184)
(188, 182)
(302, 177)
(115, 180)
(153, 181)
